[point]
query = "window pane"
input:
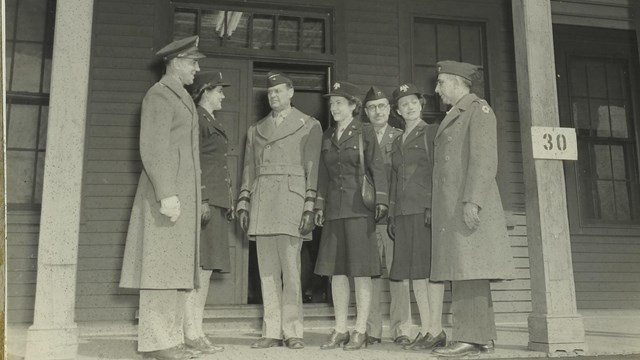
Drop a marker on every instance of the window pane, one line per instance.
(618, 115)
(313, 36)
(584, 160)
(184, 23)
(31, 20)
(471, 44)
(602, 161)
(23, 126)
(600, 118)
(615, 81)
(623, 210)
(578, 78)
(263, 30)
(39, 178)
(424, 33)
(580, 113)
(10, 8)
(27, 67)
(237, 32)
(596, 80)
(288, 31)
(20, 167)
(618, 162)
(44, 122)
(587, 193)
(448, 42)
(606, 200)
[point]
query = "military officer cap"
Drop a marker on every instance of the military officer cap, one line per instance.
(405, 90)
(276, 78)
(207, 79)
(183, 48)
(374, 94)
(345, 89)
(464, 70)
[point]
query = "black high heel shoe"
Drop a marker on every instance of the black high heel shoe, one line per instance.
(335, 340)
(358, 340)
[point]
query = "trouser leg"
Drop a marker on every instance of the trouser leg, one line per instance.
(472, 308)
(400, 307)
(374, 320)
(194, 306)
(363, 302)
(289, 248)
(270, 279)
(160, 322)
(422, 300)
(340, 291)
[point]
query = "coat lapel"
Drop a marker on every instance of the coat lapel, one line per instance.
(350, 131)
(292, 123)
(180, 92)
(417, 132)
(213, 123)
(455, 112)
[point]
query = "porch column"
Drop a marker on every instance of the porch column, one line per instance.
(554, 324)
(54, 334)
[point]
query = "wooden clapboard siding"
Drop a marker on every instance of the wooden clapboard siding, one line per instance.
(124, 34)
(23, 229)
(613, 14)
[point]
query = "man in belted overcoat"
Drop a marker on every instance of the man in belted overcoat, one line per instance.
(275, 207)
(470, 242)
(161, 251)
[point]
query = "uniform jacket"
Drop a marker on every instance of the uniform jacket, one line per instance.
(280, 175)
(386, 144)
(465, 167)
(339, 181)
(216, 182)
(411, 169)
(160, 254)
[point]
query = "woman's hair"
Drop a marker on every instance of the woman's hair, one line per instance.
(423, 102)
(358, 103)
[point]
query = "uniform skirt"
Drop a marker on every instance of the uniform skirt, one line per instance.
(214, 242)
(349, 247)
(412, 248)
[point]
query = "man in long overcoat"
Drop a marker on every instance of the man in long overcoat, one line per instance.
(161, 252)
(470, 241)
(275, 207)
(378, 109)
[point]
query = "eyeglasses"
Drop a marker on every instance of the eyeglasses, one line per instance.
(378, 107)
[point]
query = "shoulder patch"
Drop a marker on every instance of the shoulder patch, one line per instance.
(486, 109)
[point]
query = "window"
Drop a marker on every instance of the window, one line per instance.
(259, 30)
(606, 169)
(437, 40)
(29, 46)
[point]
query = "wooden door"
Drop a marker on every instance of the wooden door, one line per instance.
(231, 288)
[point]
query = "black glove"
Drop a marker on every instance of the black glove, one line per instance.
(206, 213)
(391, 228)
(381, 212)
(243, 217)
(306, 223)
(231, 214)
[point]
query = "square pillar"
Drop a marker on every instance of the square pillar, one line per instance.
(554, 324)
(54, 334)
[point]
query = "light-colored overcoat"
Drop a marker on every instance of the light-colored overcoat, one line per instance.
(280, 175)
(160, 254)
(465, 167)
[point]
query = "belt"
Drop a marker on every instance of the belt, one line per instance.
(282, 169)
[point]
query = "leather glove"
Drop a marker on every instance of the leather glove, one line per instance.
(243, 218)
(391, 228)
(319, 218)
(306, 223)
(381, 212)
(231, 214)
(427, 217)
(205, 213)
(470, 213)
(170, 207)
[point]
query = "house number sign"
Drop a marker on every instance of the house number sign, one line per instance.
(554, 143)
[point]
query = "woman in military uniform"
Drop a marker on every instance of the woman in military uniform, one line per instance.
(217, 207)
(410, 215)
(348, 247)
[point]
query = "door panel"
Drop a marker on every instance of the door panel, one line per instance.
(230, 288)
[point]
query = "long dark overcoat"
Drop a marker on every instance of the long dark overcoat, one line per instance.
(465, 167)
(160, 254)
(280, 175)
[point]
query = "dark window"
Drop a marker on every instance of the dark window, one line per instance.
(262, 30)
(606, 170)
(29, 44)
(436, 40)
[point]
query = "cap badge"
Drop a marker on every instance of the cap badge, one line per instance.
(336, 86)
(404, 88)
(220, 74)
(273, 77)
(378, 93)
(439, 68)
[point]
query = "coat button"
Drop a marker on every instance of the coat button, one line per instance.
(449, 139)
(268, 147)
(446, 158)
(442, 230)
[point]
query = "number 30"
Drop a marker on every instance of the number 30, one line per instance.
(561, 142)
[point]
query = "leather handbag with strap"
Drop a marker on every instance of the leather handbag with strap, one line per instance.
(368, 190)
